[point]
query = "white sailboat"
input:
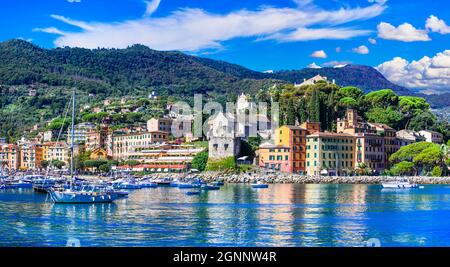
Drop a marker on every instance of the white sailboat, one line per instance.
(82, 196)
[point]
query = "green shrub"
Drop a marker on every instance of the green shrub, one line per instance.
(224, 164)
(436, 172)
(200, 160)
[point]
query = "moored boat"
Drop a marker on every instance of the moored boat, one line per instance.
(188, 185)
(162, 182)
(259, 185)
(79, 197)
(210, 187)
(402, 184)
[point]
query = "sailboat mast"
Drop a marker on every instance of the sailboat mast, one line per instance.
(72, 134)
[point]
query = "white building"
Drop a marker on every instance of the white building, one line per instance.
(432, 136)
(314, 80)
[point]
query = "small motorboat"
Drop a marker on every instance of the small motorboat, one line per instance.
(147, 184)
(218, 183)
(210, 187)
(402, 184)
(191, 193)
(188, 185)
(260, 185)
(162, 182)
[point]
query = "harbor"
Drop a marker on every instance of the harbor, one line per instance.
(235, 215)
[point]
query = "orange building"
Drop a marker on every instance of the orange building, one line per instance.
(9, 157)
(289, 152)
(30, 156)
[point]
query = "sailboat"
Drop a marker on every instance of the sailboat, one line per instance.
(82, 196)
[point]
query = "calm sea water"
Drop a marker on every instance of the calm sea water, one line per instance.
(237, 215)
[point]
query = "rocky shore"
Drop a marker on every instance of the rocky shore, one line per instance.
(300, 179)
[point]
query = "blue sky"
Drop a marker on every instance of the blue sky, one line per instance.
(258, 34)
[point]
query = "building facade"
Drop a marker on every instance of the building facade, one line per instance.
(370, 150)
(159, 124)
(124, 145)
(9, 157)
(30, 156)
(55, 151)
(96, 138)
(432, 136)
(288, 154)
(80, 132)
(329, 153)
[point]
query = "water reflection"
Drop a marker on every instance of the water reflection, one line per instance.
(237, 215)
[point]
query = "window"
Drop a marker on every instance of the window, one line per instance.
(225, 147)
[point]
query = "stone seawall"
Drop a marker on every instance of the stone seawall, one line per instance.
(301, 179)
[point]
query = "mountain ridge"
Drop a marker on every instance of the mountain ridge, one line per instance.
(139, 69)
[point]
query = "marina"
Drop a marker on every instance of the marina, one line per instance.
(235, 215)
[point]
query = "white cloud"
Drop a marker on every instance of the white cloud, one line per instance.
(190, 29)
(362, 49)
(51, 30)
(319, 54)
(372, 41)
(435, 24)
(428, 74)
(405, 32)
(74, 1)
(152, 6)
(314, 66)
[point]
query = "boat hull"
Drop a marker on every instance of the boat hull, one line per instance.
(260, 185)
(399, 186)
(80, 198)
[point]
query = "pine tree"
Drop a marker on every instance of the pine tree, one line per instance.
(301, 110)
(290, 112)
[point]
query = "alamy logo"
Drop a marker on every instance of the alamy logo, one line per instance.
(73, 242)
(372, 242)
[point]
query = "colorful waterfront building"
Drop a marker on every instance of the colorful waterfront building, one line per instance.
(391, 142)
(288, 153)
(164, 157)
(330, 153)
(96, 138)
(370, 150)
(30, 156)
(275, 157)
(124, 145)
(55, 151)
(9, 157)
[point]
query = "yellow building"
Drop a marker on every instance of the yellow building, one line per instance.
(98, 154)
(55, 151)
(329, 153)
